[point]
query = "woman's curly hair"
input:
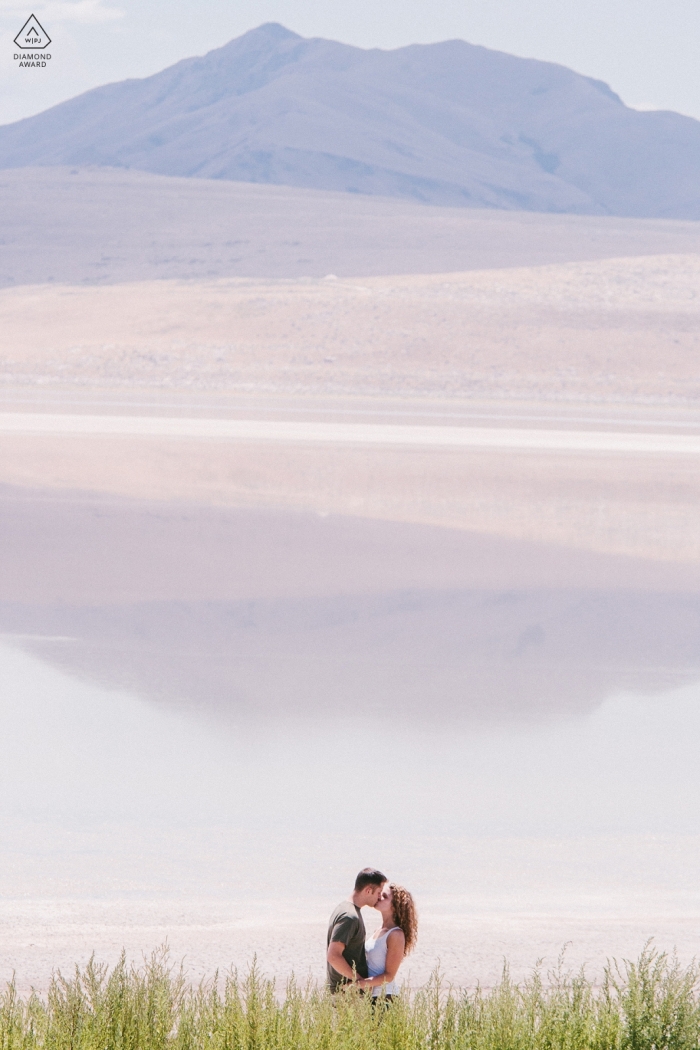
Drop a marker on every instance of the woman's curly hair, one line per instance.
(405, 915)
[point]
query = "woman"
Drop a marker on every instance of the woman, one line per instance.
(386, 948)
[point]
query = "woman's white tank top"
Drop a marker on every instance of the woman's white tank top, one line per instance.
(375, 950)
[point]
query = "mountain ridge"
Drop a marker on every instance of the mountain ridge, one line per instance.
(450, 123)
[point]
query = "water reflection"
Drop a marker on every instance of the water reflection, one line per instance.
(271, 615)
(79, 752)
(192, 695)
(427, 656)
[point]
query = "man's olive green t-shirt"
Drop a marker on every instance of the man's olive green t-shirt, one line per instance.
(347, 927)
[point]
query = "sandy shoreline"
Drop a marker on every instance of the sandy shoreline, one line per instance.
(40, 936)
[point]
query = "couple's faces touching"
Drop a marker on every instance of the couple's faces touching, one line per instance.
(385, 900)
(372, 895)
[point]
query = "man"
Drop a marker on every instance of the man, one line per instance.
(345, 957)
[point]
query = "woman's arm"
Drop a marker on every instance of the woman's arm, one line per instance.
(395, 944)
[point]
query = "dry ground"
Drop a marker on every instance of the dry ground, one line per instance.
(107, 226)
(612, 331)
(612, 342)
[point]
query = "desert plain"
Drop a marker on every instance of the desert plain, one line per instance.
(347, 477)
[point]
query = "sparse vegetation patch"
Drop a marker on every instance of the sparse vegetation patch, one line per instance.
(650, 1004)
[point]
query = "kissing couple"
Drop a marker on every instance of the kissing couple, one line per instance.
(371, 963)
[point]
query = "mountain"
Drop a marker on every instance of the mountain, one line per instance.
(446, 123)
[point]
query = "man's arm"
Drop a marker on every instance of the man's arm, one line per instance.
(338, 961)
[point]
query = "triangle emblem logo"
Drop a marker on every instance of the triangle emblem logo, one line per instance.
(32, 36)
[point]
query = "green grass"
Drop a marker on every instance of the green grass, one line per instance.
(651, 1004)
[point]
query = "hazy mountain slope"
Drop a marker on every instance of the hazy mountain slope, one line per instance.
(448, 123)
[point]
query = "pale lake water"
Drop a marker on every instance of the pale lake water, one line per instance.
(124, 819)
(211, 719)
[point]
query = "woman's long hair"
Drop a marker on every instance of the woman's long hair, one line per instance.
(405, 915)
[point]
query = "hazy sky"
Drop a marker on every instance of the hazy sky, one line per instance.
(647, 50)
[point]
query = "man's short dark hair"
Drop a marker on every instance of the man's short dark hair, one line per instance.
(369, 877)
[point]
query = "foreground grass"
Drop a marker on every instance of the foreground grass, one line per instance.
(652, 1004)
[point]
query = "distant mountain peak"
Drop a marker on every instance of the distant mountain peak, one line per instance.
(271, 31)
